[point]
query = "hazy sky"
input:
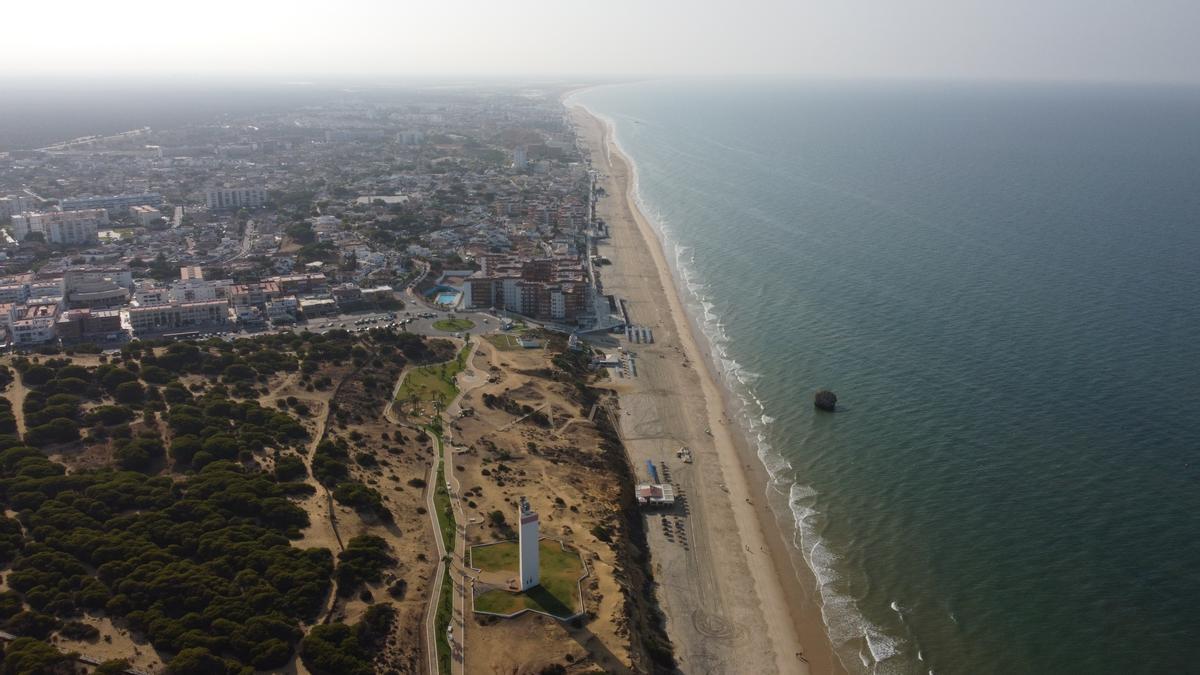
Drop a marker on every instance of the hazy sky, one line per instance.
(1021, 39)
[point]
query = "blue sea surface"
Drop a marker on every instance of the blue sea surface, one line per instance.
(1002, 284)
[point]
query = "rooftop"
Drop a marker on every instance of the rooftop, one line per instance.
(655, 493)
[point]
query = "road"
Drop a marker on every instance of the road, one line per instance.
(247, 243)
(419, 278)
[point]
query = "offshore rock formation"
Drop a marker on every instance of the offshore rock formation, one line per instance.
(825, 400)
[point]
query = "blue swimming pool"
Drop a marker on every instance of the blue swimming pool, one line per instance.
(446, 298)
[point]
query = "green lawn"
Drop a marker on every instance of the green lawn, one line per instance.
(504, 342)
(441, 502)
(434, 383)
(558, 594)
(502, 556)
(454, 325)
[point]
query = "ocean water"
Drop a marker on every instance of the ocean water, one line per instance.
(1002, 284)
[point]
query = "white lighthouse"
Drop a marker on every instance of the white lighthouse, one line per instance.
(528, 543)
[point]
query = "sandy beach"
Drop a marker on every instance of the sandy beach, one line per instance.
(728, 588)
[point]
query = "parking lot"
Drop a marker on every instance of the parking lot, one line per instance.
(418, 320)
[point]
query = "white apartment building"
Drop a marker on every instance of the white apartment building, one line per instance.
(32, 331)
(283, 308)
(174, 315)
(235, 198)
(558, 305)
(93, 288)
(193, 290)
(33, 324)
(151, 295)
(114, 203)
(145, 216)
(71, 232)
(120, 274)
(61, 227)
(14, 292)
(45, 290)
(410, 137)
(14, 204)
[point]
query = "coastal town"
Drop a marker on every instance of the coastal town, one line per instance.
(277, 220)
(435, 305)
(576, 338)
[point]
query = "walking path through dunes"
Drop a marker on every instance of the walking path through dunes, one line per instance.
(430, 624)
(726, 597)
(443, 652)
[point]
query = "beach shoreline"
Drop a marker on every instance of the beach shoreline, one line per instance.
(784, 591)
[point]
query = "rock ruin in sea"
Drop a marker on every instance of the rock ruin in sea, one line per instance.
(825, 400)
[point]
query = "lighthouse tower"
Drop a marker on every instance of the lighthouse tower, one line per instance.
(528, 542)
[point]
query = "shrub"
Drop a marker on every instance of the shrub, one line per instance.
(77, 630)
(36, 376)
(289, 468)
(602, 533)
(157, 375)
(26, 655)
(109, 415)
(59, 430)
(138, 454)
(339, 649)
(364, 560)
(32, 624)
(362, 498)
(184, 448)
(129, 392)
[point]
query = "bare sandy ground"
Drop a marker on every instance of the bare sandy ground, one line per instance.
(566, 483)
(113, 643)
(726, 583)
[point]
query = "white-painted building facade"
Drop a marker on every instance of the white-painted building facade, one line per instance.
(235, 198)
(61, 227)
